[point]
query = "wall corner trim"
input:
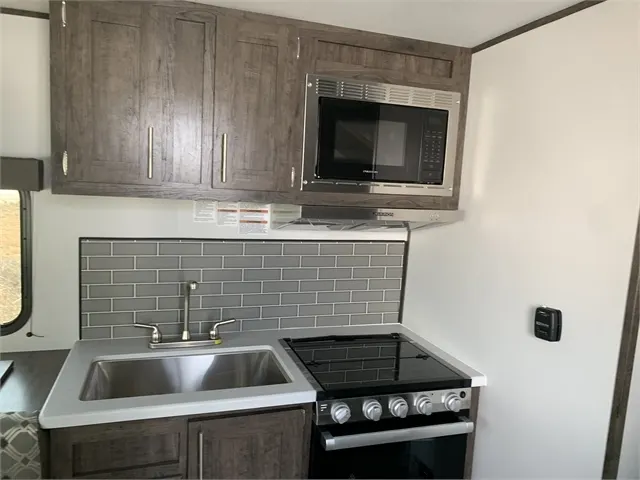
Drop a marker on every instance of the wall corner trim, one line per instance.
(565, 12)
(24, 13)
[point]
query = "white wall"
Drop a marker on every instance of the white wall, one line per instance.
(551, 185)
(59, 220)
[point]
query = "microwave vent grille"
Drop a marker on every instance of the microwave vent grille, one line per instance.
(328, 88)
(393, 94)
(375, 93)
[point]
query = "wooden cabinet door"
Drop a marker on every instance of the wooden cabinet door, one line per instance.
(255, 79)
(380, 58)
(105, 117)
(262, 445)
(140, 449)
(179, 93)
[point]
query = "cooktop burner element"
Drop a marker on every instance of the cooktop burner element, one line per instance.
(359, 365)
(373, 377)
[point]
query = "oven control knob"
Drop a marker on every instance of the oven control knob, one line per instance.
(372, 410)
(452, 402)
(424, 405)
(340, 412)
(398, 407)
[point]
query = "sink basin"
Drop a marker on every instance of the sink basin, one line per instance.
(180, 374)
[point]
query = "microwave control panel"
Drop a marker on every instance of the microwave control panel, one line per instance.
(434, 140)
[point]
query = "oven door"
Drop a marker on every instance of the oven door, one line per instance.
(365, 141)
(417, 447)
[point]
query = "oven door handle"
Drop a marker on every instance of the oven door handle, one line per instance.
(329, 442)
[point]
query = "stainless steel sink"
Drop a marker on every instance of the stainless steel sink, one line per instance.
(180, 374)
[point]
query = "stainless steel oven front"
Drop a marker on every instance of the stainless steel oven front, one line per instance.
(415, 447)
(367, 137)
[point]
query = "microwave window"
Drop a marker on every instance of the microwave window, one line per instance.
(391, 143)
(381, 142)
(354, 141)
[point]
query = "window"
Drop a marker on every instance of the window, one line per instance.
(15, 260)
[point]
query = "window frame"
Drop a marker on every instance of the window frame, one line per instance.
(26, 285)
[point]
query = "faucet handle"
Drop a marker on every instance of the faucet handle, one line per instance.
(156, 336)
(213, 333)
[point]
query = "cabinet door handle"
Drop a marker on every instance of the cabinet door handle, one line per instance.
(298, 50)
(201, 455)
(224, 158)
(150, 154)
(65, 163)
(293, 176)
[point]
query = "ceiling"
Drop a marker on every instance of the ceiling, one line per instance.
(459, 22)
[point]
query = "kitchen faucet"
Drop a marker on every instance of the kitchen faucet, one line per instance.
(185, 341)
(186, 335)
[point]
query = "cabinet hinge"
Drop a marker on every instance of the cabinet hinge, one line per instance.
(65, 163)
(64, 14)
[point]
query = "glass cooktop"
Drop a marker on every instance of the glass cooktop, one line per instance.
(358, 365)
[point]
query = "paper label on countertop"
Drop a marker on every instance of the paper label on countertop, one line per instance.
(253, 219)
(227, 213)
(204, 211)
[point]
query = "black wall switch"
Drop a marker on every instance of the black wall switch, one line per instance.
(547, 324)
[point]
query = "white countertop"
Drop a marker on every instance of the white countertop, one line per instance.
(64, 408)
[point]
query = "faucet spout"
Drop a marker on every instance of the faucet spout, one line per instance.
(186, 335)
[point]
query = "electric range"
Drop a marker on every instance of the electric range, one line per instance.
(385, 408)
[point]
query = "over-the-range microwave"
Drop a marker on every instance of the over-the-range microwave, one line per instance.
(367, 137)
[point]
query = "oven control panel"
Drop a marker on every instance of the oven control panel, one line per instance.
(374, 408)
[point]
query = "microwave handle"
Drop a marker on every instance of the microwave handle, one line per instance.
(341, 442)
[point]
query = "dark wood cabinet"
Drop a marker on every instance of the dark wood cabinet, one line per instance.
(255, 444)
(137, 106)
(381, 58)
(180, 64)
(194, 101)
(254, 80)
(104, 86)
(141, 449)
(263, 445)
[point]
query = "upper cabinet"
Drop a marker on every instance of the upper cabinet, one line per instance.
(381, 58)
(179, 62)
(136, 105)
(104, 90)
(196, 101)
(254, 111)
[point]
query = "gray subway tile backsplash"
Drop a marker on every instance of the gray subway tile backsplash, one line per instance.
(110, 291)
(97, 248)
(264, 285)
(298, 298)
(282, 262)
(98, 305)
(220, 248)
(135, 276)
(135, 304)
(133, 248)
(157, 290)
(201, 262)
(95, 278)
(180, 249)
(221, 275)
(110, 263)
(157, 263)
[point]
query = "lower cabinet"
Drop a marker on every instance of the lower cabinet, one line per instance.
(267, 445)
(256, 444)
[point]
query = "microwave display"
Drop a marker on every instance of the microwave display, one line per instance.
(378, 138)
